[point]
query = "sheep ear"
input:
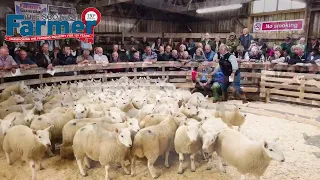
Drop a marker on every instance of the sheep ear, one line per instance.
(49, 128)
(265, 144)
(34, 132)
(117, 130)
(13, 93)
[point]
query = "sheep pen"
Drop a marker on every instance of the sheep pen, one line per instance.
(296, 139)
(300, 143)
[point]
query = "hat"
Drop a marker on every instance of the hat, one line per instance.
(16, 49)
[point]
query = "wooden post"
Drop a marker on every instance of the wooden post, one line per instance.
(307, 19)
(250, 19)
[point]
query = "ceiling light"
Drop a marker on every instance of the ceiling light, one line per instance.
(219, 8)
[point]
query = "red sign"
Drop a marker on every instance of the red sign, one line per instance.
(290, 25)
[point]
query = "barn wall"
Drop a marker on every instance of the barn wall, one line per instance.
(315, 24)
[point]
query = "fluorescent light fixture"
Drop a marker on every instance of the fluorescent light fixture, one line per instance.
(219, 8)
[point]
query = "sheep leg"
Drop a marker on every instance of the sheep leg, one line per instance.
(107, 171)
(152, 169)
(133, 164)
(222, 168)
(8, 158)
(125, 168)
(40, 165)
(33, 170)
(193, 166)
(87, 162)
(166, 159)
(209, 164)
(181, 158)
(82, 172)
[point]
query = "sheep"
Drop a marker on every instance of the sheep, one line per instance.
(15, 108)
(187, 141)
(18, 88)
(233, 118)
(189, 110)
(71, 128)
(153, 141)
(103, 146)
(14, 99)
(251, 158)
(152, 119)
(30, 145)
(57, 120)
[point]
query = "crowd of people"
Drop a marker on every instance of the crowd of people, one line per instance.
(228, 54)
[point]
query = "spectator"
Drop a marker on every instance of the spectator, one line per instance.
(174, 55)
(20, 45)
(216, 44)
(217, 85)
(108, 41)
(207, 41)
(16, 53)
(46, 59)
(253, 44)
(52, 44)
(314, 56)
(2, 38)
(132, 41)
(245, 39)
(32, 52)
(191, 47)
(24, 61)
(183, 41)
(6, 61)
(168, 50)
(85, 58)
(156, 45)
(262, 46)
(66, 58)
(313, 45)
(162, 56)
(86, 46)
(181, 49)
(171, 43)
(199, 55)
(239, 53)
(233, 42)
(144, 42)
(185, 57)
(209, 54)
(287, 45)
(115, 58)
(277, 56)
(136, 57)
(115, 48)
(203, 84)
(299, 55)
(100, 58)
(149, 55)
(254, 55)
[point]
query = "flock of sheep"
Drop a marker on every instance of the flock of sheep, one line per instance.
(125, 120)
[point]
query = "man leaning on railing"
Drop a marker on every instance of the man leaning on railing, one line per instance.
(6, 61)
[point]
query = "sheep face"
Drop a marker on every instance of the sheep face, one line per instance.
(28, 116)
(5, 125)
(44, 136)
(208, 139)
(273, 151)
(138, 103)
(23, 88)
(180, 118)
(17, 98)
(192, 132)
(122, 103)
(80, 111)
(38, 106)
(190, 110)
(115, 117)
(133, 124)
(124, 136)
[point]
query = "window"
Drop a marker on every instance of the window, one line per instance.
(260, 6)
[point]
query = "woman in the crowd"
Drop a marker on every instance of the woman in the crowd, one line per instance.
(185, 58)
(239, 53)
(262, 46)
(277, 56)
(299, 55)
(181, 49)
(156, 45)
(199, 55)
(314, 56)
(254, 55)
(171, 43)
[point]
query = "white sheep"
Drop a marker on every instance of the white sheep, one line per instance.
(187, 141)
(71, 128)
(154, 141)
(18, 88)
(152, 119)
(14, 99)
(15, 108)
(103, 146)
(251, 157)
(189, 110)
(30, 145)
(233, 118)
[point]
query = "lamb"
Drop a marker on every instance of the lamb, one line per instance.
(15, 108)
(153, 141)
(103, 146)
(71, 128)
(189, 110)
(251, 158)
(30, 145)
(14, 99)
(187, 141)
(233, 118)
(19, 88)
